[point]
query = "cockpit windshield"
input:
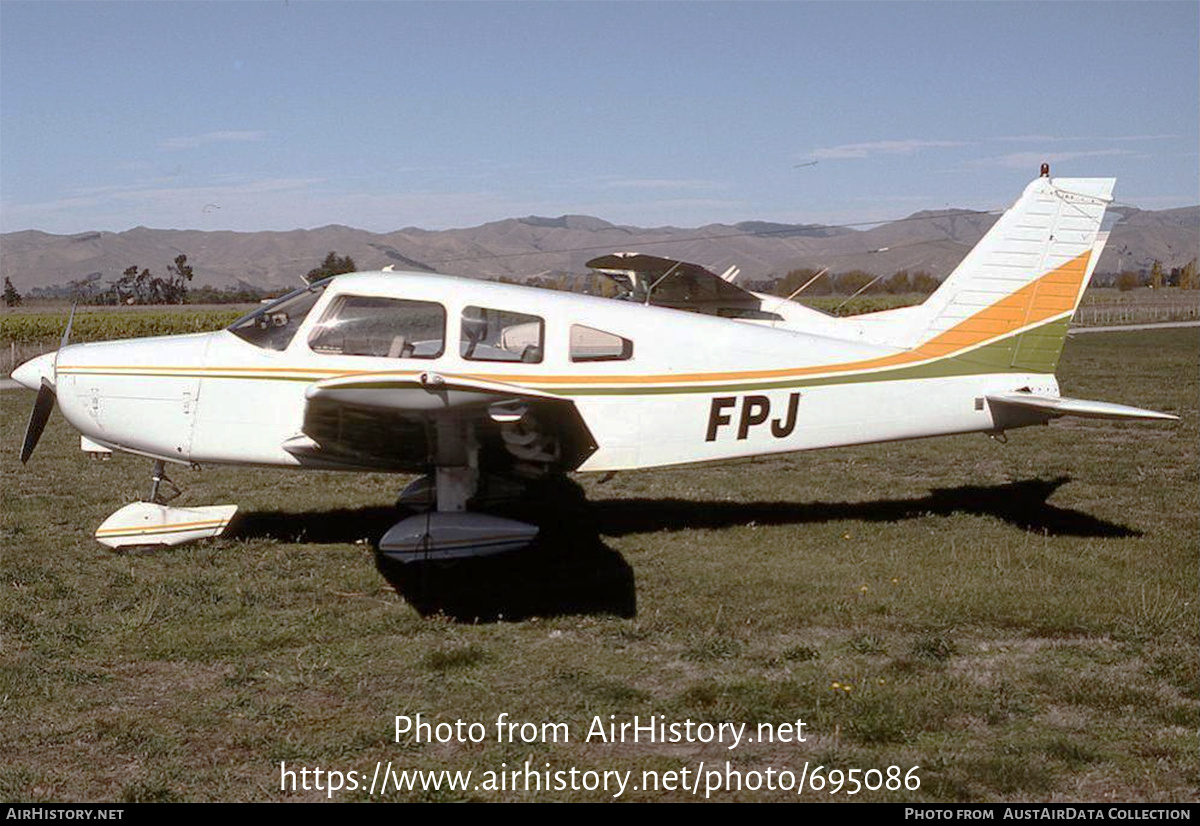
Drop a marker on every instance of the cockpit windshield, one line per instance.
(273, 326)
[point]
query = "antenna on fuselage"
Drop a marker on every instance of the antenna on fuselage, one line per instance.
(858, 292)
(802, 287)
(806, 284)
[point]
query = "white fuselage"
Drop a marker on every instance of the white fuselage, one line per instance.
(694, 388)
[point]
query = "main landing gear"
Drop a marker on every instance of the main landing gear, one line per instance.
(448, 530)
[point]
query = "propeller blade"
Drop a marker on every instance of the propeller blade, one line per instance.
(44, 403)
(37, 419)
(66, 336)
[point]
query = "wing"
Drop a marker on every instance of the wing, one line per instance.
(666, 282)
(409, 422)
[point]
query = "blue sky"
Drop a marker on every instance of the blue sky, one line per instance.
(279, 115)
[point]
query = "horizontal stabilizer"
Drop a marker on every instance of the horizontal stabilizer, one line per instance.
(1060, 406)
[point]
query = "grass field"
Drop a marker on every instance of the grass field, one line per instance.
(1020, 621)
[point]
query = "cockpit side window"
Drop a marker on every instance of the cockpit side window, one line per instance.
(273, 326)
(590, 344)
(359, 325)
(501, 335)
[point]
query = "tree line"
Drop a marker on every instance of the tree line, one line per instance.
(138, 285)
(850, 283)
(1157, 277)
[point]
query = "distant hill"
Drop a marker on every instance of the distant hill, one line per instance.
(522, 247)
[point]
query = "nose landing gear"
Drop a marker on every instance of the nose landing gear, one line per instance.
(156, 523)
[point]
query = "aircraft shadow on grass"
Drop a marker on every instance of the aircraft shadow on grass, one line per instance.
(1021, 504)
(569, 570)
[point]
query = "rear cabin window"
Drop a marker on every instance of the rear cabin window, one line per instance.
(501, 335)
(590, 344)
(359, 325)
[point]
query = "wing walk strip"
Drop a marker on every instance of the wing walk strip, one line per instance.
(1048, 301)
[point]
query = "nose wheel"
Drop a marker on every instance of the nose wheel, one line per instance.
(153, 522)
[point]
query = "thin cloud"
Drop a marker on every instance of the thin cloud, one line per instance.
(1090, 138)
(866, 150)
(1030, 160)
(148, 204)
(196, 141)
(657, 183)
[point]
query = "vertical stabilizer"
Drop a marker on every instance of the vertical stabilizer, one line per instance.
(1016, 291)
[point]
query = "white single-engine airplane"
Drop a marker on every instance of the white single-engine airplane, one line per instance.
(484, 382)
